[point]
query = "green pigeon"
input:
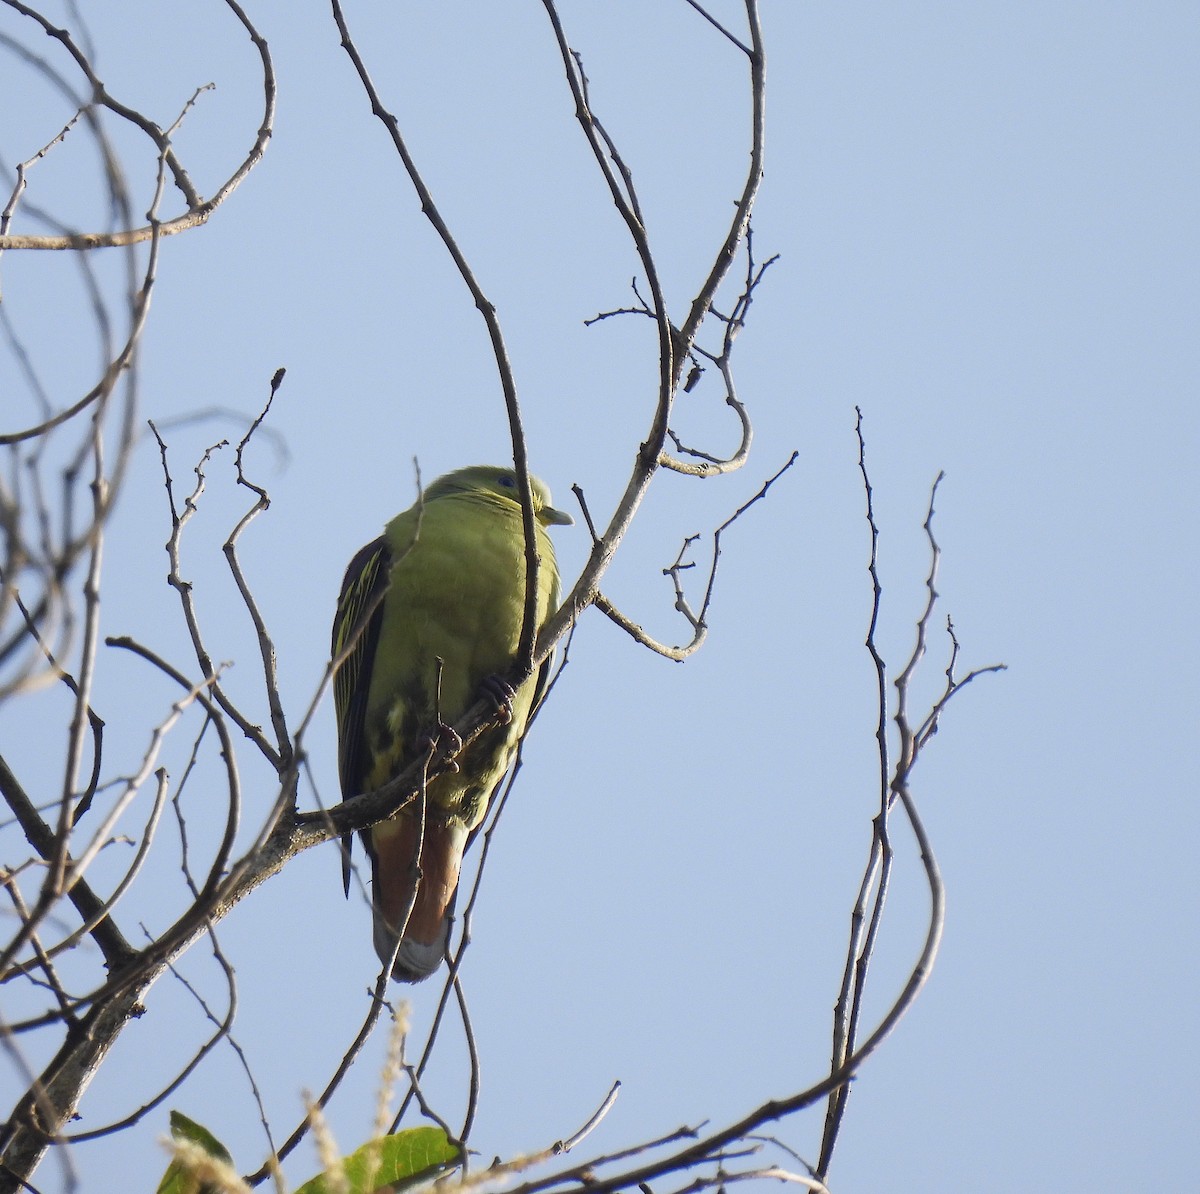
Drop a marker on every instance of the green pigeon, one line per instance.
(451, 571)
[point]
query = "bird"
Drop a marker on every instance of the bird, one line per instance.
(429, 617)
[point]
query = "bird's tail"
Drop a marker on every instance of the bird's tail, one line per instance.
(394, 849)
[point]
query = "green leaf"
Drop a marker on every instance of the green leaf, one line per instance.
(177, 1180)
(402, 1160)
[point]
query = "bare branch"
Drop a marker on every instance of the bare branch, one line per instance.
(198, 210)
(175, 579)
(573, 1141)
(697, 621)
(23, 169)
(266, 647)
(674, 346)
(723, 360)
(525, 660)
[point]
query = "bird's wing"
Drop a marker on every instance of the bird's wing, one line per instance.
(355, 635)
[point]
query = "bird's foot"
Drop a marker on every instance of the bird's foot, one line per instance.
(497, 689)
(440, 741)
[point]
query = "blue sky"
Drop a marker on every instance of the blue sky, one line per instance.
(986, 221)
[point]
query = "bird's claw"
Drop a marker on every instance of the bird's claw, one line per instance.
(502, 693)
(441, 741)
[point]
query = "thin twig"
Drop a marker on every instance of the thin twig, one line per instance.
(198, 210)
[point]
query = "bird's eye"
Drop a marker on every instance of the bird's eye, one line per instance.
(508, 481)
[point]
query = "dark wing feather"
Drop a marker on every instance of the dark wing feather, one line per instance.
(355, 636)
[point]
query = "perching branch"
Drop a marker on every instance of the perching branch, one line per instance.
(225, 857)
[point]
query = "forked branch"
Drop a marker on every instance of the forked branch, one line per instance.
(197, 210)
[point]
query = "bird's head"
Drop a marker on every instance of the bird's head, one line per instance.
(503, 483)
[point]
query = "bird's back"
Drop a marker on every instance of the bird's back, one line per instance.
(457, 594)
(451, 618)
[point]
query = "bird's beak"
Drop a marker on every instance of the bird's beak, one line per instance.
(549, 516)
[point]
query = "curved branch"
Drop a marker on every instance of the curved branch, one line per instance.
(697, 621)
(619, 180)
(487, 309)
(734, 322)
(707, 1148)
(745, 204)
(635, 632)
(198, 210)
(673, 346)
(266, 647)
